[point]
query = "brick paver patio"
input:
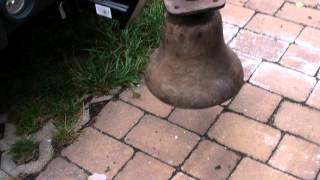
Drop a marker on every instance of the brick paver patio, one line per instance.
(269, 131)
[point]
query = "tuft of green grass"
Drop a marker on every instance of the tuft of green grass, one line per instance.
(67, 115)
(23, 151)
(120, 55)
(65, 133)
(52, 96)
(30, 115)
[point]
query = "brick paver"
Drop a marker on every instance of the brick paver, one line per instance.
(300, 120)
(251, 43)
(286, 82)
(314, 99)
(210, 160)
(309, 38)
(245, 135)
(229, 32)
(251, 169)
(117, 118)
(98, 153)
(237, 2)
(306, 16)
(162, 140)
(302, 59)
(226, 103)
(62, 170)
(265, 6)
(274, 27)
(145, 167)
(147, 102)
(311, 3)
(236, 15)
(260, 105)
(196, 120)
(270, 130)
(181, 176)
(298, 157)
(249, 64)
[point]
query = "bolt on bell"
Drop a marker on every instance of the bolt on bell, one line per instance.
(193, 68)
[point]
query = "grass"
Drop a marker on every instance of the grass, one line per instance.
(120, 55)
(29, 116)
(23, 151)
(65, 133)
(65, 67)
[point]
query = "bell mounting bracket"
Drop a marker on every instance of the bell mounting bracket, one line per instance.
(189, 7)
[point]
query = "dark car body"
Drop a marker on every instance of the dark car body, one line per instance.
(13, 15)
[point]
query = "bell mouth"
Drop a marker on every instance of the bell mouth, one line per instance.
(191, 87)
(192, 103)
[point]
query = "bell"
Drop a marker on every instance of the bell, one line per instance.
(193, 68)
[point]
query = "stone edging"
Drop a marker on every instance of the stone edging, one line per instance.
(43, 137)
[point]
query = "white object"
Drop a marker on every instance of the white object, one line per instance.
(103, 11)
(300, 4)
(97, 177)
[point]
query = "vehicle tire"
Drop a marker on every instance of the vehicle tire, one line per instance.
(27, 9)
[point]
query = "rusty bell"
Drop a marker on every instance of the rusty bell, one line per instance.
(193, 68)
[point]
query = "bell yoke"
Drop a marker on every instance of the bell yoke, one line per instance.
(193, 68)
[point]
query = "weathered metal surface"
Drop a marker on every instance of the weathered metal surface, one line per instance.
(188, 7)
(194, 68)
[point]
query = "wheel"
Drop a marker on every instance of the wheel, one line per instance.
(17, 10)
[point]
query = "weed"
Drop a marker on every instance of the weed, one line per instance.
(65, 133)
(23, 151)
